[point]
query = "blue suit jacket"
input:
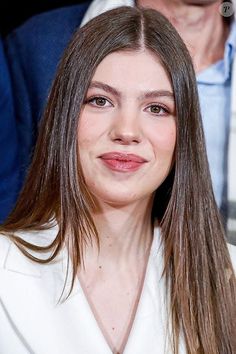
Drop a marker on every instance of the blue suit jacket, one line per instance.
(9, 164)
(33, 51)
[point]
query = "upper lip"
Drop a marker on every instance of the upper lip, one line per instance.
(122, 156)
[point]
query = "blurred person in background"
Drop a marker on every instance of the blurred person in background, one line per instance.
(9, 163)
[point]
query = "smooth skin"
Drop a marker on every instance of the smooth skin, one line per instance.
(129, 108)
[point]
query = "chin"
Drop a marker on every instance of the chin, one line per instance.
(119, 198)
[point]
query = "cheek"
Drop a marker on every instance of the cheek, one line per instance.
(88, 131)
(91, 128)
(163, 139)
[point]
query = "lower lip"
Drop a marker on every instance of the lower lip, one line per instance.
(122, 166)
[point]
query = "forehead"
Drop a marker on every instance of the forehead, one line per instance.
(134, 71)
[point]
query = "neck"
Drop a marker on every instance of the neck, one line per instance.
(125, 234)
(201, 27)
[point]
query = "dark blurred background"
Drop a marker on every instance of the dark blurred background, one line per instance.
(12, 14)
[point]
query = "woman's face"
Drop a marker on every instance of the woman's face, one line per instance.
(127, 128)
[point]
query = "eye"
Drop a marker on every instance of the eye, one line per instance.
(98, 101)
(158, 109)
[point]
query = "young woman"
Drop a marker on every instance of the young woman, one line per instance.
(116, 244)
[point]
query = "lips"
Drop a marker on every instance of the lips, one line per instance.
(120, 156)
(122, 162)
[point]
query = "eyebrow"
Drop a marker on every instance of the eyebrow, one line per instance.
(148, 94)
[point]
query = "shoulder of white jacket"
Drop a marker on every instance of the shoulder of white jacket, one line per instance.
(5, 244)
(12, 259)
(232, 252)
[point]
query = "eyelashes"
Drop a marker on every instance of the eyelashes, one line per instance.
(98, 101)
(158, 109)
(155, 109)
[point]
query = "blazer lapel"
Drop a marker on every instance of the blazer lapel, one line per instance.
(29, 296)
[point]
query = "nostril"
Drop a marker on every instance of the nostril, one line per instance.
(126, 141)
(124, 137)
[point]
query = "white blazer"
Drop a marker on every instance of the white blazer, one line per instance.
(32, 321)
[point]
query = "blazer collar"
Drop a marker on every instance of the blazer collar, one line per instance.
(61, 268)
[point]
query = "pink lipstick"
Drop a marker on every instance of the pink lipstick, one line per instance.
(122, 162)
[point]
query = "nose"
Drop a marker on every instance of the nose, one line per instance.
(126, 128)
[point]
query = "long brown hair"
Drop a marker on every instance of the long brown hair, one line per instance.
(196, 259)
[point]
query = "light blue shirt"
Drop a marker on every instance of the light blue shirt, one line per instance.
(214, 87)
